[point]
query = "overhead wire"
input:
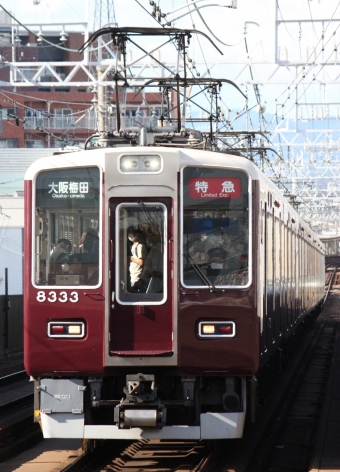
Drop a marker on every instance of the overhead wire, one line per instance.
(41, 128)
(45, 100)
(22, 105)
(310, 12)
(278, 6)
(211, 32)
(298, 98)
(25, 107)
(303, 70)
(207, 68)
(42, 138)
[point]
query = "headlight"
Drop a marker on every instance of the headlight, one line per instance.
(150, 163)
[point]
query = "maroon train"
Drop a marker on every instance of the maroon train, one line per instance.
(158, 281)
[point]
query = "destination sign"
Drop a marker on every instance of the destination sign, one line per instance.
(215, 187)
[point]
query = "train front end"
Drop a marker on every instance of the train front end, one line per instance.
(145, 325)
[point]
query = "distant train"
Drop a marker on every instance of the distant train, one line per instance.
(158, 281)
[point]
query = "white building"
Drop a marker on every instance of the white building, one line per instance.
(13, 166)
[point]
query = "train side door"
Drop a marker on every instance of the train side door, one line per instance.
(141, 321)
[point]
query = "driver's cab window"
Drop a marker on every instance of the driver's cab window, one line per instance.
(141, 236)
(67, 238)
(215, 227)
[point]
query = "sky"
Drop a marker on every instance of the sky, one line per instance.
(255, 17)
(253, 20)
(228, 26)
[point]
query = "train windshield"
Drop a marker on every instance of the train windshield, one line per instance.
(67, 240)
(141, 269)
(215, 227)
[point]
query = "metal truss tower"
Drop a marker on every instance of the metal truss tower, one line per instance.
(104, 15)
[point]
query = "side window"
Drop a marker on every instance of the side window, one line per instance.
(215, 227)
(67, 240)
(141, 253)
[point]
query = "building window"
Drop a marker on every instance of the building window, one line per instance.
(8, 113)
(135, 113)
(8, 143)
(63, 118)
(37, 143)
(34, 119)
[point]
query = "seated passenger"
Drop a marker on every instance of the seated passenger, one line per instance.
(60, 254)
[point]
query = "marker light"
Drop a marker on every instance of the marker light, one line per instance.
(57, 329)
(66, 329)
(227, 329)
(208, 329)
(141, 163)
(216, 329)
(74, 329)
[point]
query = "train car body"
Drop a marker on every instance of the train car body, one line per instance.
(229, 270)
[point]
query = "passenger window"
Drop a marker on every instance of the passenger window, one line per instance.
(141, 268)
(215, 247)
(67, 239)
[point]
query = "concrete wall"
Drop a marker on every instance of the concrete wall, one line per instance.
(15, 327)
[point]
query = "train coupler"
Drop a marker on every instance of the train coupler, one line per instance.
(138, 416)
(140, 408)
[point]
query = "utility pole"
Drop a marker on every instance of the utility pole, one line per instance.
(102, 105)
(6, 308)
(104, 15)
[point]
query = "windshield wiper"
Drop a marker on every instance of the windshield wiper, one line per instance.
(201, 274)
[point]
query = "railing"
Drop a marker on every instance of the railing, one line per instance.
(60, 122)
(85, 122)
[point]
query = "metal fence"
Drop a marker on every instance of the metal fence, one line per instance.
(84, 122)
(12, 329)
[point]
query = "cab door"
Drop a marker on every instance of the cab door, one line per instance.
(141, 318)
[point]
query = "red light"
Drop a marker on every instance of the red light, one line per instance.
(57, 329)
(225, 329)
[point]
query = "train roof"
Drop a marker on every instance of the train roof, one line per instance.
(185, 156)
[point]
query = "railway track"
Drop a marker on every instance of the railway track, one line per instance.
(145, 455)
(223, 456)
(282, 439)
(290, 443)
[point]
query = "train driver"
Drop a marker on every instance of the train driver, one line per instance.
(60, 254)
(200, 249)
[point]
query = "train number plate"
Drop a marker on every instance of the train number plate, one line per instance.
(53, 296)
